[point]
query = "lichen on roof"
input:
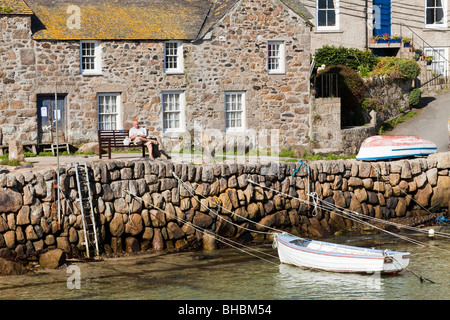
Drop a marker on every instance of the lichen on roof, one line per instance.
(14, 7)
(131, 19)
(119, 19)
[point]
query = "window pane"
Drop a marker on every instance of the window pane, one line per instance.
(331, 21)
(107, 112)
(322, 18)
(234, 110)
(439, 16)
(322, 4)
(171, 111)
(171, 55)
(430, 16)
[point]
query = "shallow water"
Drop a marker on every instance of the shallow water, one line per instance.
(230, 274)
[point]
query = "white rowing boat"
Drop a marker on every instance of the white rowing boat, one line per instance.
(393, 147)
(327, 256)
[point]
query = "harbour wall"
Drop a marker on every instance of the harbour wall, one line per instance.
(219, 200)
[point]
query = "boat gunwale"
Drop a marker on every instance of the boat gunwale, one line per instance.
(381, 253)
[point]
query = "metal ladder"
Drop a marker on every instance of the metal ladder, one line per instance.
(86, 208)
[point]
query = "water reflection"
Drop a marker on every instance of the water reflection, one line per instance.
(327, 285)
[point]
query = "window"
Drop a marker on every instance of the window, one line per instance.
(90, 58)
(173, 111)
(435, 13)
(327, 14)
(173, 57)
(440, 57)
(234, 111)
(275, 57)
(109, 115)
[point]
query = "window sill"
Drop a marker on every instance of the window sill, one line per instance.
(276, 73)
(91, 74)
(435, 28)
(169, 132)
(174, 72)
(319, 31)
(235, 130)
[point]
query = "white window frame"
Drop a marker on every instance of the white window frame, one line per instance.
(280, 58)
(441, 59)
(118, 113)
(242, 111)
(436, 25)
(181, 111)
(179, 69)
(97, 70)
(336, 12)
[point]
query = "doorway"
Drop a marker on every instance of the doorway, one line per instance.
(381, 17)
(51, 119)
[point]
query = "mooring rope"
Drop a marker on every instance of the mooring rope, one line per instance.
(206, 232)
(343, 210)
(233, 213)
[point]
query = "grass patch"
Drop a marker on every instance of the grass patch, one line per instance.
(13, 162)
(4, 160)
(391, 124)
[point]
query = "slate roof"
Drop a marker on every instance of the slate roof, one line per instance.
(300, 9)
(217, 12)
(131, 19)
(14, 7)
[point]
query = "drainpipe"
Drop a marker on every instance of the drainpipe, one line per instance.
(367, 24)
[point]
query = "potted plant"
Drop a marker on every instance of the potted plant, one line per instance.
(429, 59)
(418, 51)
(406, 42)
(384, 38)
(396, 39)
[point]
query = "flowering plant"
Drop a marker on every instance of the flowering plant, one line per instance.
(406, 39)
(386, 36)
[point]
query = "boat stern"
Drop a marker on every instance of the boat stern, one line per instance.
(395, 262)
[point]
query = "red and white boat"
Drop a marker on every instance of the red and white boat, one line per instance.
(393, 147)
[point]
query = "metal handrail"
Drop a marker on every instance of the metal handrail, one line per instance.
(424, 42)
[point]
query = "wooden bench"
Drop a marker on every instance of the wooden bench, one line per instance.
(114, 139)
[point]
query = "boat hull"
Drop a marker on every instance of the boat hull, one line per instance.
(394, 147)
(338, 258)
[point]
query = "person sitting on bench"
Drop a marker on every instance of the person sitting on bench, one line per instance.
(139, 137)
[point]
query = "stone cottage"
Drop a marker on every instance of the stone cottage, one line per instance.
(174, 65)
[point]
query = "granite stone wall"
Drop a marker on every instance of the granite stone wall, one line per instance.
(219, 200)
(17, 80)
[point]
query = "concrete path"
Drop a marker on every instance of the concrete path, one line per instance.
(36, 164)
(431, 122)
